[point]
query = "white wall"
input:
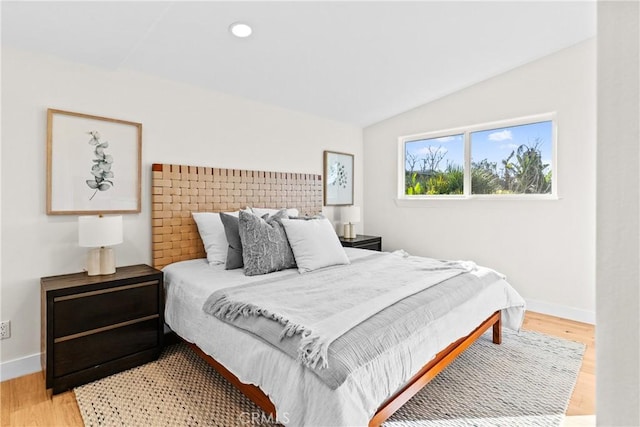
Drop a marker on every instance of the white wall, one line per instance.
(555, 270)
(182, 124)
(618, 213)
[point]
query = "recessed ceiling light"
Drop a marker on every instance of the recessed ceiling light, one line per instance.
(240, 29)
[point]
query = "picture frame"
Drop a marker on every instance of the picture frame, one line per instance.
(338, 179)
(93, 164)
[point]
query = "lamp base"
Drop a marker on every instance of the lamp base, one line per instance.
(349, 231)
(101, 261)
(107, 261)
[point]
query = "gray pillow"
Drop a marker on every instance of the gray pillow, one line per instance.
(234, 251)
(265, 247)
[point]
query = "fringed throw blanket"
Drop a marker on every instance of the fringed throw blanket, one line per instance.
(323, 305)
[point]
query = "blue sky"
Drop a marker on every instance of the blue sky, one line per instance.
(493, 145)
(497, 144)
(452, 146)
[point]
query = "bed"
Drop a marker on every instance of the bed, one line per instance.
(274, 380)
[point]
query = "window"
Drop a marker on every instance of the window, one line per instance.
(510, 158)
(435, 165)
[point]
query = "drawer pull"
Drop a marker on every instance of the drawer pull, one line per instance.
(105, 291)
(105, 328)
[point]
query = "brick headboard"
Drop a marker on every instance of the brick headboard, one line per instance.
(178, 190)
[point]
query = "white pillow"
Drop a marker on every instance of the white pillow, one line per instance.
(314, 243)
(261, 211)
(212, 234)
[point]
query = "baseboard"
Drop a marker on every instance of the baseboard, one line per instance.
(571, 313)
(18, 367)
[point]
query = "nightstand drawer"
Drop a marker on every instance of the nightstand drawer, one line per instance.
(104, 307)
(94, 326)
(361, 241)
(76, 354)
(371, 246)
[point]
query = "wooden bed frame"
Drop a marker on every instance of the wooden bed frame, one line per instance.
(178, 190)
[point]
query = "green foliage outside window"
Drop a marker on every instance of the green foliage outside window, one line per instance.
(521, 172)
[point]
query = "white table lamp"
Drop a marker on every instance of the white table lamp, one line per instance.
(350, 215)
(98, 232)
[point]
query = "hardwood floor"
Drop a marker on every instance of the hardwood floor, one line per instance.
(24, 400)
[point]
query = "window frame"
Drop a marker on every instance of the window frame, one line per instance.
(466, 131)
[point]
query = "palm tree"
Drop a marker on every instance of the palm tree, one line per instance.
(529, 171)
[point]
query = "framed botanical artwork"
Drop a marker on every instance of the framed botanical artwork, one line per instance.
(93, 164)
(338, 179)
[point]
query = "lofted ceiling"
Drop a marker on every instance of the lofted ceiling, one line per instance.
(355, 62)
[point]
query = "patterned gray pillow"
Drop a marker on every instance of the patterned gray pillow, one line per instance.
(265, 247)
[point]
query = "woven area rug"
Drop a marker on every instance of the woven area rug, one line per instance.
(525, 381)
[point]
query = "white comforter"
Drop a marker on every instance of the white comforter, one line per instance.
(299, 396)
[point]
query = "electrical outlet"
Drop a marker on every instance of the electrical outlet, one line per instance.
(5, 329)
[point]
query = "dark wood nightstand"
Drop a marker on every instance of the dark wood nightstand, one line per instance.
(363, 242)
(94, 326)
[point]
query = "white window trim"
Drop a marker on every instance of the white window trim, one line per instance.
(406, 200)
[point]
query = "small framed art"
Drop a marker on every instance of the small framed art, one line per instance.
(338, 179)
(93, 164)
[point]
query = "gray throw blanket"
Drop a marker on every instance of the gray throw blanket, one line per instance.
(323, 305)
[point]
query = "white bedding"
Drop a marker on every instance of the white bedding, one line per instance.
(299, 396)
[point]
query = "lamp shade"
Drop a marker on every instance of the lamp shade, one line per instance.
(351, 214)
(96, 231)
